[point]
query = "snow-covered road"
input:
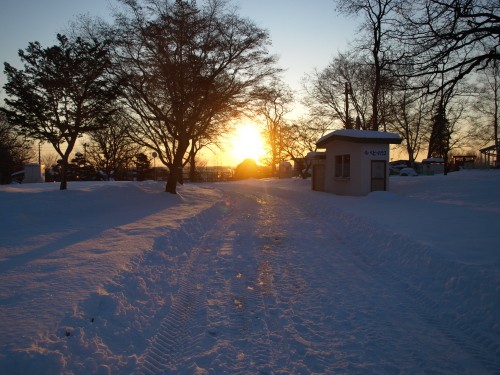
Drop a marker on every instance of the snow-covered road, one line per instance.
(266, 281)
(277, 289)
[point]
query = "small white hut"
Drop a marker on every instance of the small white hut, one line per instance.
(33, 173)
(355, 163)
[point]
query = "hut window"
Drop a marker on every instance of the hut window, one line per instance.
(343, 166)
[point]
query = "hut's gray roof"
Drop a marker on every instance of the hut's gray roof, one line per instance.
(358, 136)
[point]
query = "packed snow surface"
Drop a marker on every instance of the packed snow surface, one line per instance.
(257, 276)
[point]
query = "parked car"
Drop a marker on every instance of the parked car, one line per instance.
(408, 172)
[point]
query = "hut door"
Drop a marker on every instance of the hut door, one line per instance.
(318, 177)
(378, 179)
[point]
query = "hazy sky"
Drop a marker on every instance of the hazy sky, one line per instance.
(305, 33)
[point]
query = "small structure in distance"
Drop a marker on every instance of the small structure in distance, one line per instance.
(355, 162)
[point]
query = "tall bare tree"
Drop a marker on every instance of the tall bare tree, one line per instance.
(488, 107)
(378, 19)
(450, 38)
(185, 68)
(274, 103)
(411, 115)
(341, 92)
(300, 139)
(111, 149)
(209, 139)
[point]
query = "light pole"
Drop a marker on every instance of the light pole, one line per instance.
(154, 155)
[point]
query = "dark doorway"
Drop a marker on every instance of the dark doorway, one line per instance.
(319, 177)
(378, 179)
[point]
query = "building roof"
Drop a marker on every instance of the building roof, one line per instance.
(491, 148)
(433, 160)
(358, 136)
(316, 155)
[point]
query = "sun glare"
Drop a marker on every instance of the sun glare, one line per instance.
(246, 143)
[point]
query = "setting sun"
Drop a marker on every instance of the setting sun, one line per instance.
(246, 143)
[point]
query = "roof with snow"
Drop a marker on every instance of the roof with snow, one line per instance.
(433, 160)
(358, 136)
(316, 155)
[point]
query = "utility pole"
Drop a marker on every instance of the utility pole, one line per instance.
(347, 118)
(85, 152)
(154, 155)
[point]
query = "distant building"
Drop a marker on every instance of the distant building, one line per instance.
(464, 161)
(491, 155)
(317, 161)
(432, 166)
(32, 173)
(355, 162)
(285, 169)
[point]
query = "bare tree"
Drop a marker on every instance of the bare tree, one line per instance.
(378, 22)
(111, 149)
(210, 138)
(450, 38)
(488, 106)
(410, 113)
(274, 103)
(341, 92)
(185, 69)
(300, 139)
(49, 159)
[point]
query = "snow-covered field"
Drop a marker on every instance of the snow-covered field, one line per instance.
(251, 277)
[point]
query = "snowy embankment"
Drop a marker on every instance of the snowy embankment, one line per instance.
(262, 276)
(441, 237)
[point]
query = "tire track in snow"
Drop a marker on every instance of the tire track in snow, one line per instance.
(279, 290)
(464, 338)
(305, 286)
(180, 334)
(414, 301)
(274, 283)
(262, 312)
(379, 326)
(170, 339)
(290, 329)
(216, 318)
(235, 312)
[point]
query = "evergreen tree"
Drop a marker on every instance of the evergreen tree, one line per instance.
(143, 167)
(63, 92)
(439, 142)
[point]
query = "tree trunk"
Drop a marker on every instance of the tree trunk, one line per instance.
(411, 157)
(64, 175)
(495, 127)
(304, 171)
(192, 165)
(173, 176)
